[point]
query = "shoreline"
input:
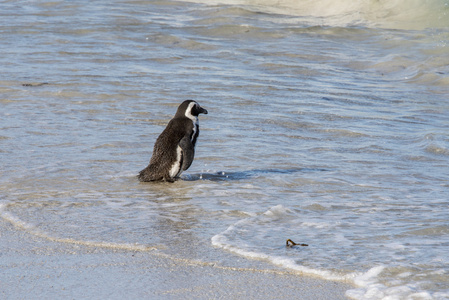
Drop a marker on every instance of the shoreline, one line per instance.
(34, 267)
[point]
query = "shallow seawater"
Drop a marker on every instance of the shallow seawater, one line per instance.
(330, 130)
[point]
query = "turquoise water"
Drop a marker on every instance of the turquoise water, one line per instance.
(327, 127)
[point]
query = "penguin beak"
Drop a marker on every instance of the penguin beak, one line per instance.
(203, 111)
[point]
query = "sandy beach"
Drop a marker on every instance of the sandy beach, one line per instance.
(35, 268)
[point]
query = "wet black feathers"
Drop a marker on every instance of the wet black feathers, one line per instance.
(182, 131)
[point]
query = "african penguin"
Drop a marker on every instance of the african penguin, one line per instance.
(175, 147)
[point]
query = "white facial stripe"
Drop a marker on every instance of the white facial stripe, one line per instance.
(189, 115)
(176, 168)
(188, 112)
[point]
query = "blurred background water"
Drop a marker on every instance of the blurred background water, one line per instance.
(328, 124)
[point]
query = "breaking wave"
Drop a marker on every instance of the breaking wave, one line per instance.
(394, 14)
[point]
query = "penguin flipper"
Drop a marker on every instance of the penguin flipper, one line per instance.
(188, 152)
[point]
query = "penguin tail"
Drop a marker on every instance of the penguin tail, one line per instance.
(146, 175)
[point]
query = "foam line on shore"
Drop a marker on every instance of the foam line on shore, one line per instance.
(31, 229)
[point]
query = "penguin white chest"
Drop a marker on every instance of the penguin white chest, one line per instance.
(195, 129)
(176, 169)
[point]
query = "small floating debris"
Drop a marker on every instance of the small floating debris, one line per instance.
(35, 84)
(290, 244)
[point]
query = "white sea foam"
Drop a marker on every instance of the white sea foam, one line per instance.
(242, 238)
(226, 240)
(408, 14)
(32, 229)
(314, 107)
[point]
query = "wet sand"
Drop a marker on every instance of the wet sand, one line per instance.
(36, 268)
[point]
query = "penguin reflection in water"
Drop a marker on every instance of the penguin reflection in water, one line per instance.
(175, 147)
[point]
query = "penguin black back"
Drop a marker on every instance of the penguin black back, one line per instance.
(174, 149)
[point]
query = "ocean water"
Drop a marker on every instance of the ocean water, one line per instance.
(328, 125)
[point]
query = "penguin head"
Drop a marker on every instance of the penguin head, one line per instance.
(189, 109)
